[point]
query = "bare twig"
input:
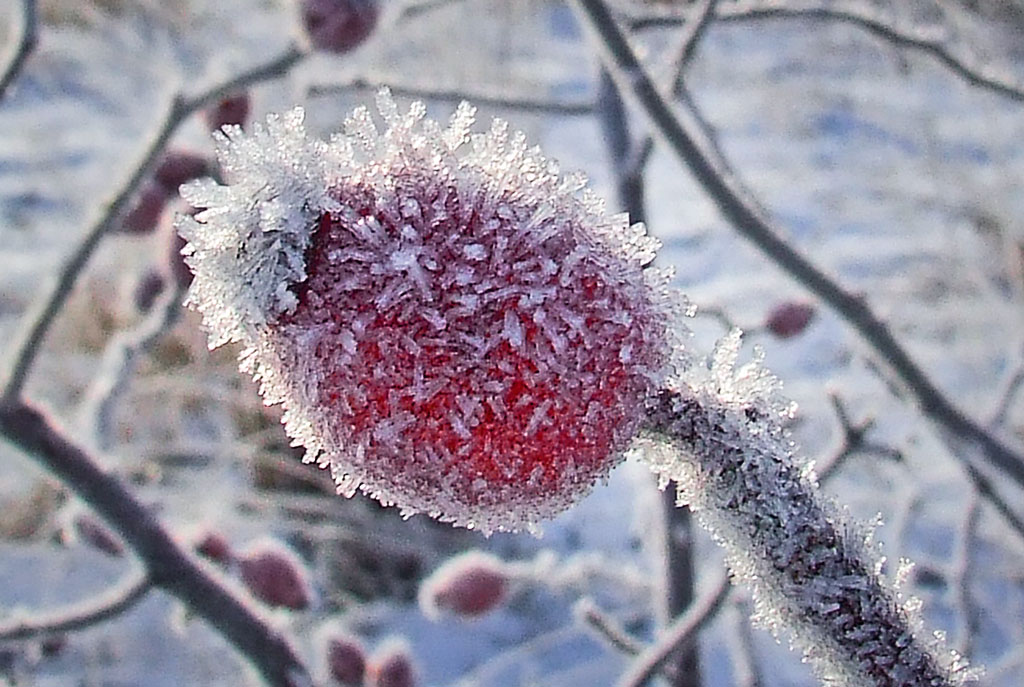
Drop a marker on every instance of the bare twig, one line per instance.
(693, 30)
(854, 441)
(119, 361)
(1010, 388)
(678, 635)
(961, 574)
(80, 616)
(179, 109)
(26, 42)
(684, 135)
(168, 566)
(872, 21)
(606, 627)
(456, 95)
(748, 672)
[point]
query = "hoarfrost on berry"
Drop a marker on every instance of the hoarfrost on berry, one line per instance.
(451, 324)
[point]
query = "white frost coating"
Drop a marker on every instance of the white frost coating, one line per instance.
(246, 247)
(813, 573)
(437, 319)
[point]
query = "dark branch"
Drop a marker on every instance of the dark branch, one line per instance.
(180, 108)
(871, 21)
(690, 142)
(168, 566)
(26, 43)
(455, 95)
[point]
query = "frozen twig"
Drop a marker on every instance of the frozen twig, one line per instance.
(23, 46)
(961, 574)
(486, 97)
(167, 565)
(414, 8)
(810, 571)
(871, 20)
(748, 673)
(606, 627)
(682, 52)
(854, 441)
(120, 359)
(677, 635)
(684, 135)
(180, 108)
(1010, 388)
(80, 616)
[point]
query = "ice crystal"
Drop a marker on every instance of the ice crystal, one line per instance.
(451, 324)
(811, 571)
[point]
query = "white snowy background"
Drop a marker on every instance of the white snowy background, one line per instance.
(885, 167)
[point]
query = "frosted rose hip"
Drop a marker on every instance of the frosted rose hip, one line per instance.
(451, 325)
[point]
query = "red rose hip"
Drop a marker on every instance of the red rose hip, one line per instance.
(460, 332)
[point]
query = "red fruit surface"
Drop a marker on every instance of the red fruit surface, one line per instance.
(392, 667)
(233, 110)
(468, 585)
(789, 319)
(346, 661)
(338, 25)
(467, 360)
(178, 166)
(143, 215)
(275, 576)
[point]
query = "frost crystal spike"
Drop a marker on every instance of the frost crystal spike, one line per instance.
(451, 325)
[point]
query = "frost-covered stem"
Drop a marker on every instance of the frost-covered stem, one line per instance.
(489, 97)
(809, 571)
(180, 108)
(684, 135)
(676, 528)
(26, 42)
(872, 21)
(168, 566)
(678, 635)
(119, 362)
(80, 616)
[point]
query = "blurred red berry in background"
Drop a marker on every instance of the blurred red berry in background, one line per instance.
(275, 575)
(338, 25)
(233, 109)
(789, 319)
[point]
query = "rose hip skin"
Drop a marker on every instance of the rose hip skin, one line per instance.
(501, 403)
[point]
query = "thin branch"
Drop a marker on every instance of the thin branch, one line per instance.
(678, 635)
(456, 95)
(1010, 388)
(26, 43)
(121, 356)
(179, 109)
(415, 8)
(873, 22)
(961, 574)
(168, 566)
(79, 616)
(693, 30)
(748, 672)
(606, 627)
(690, 142)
